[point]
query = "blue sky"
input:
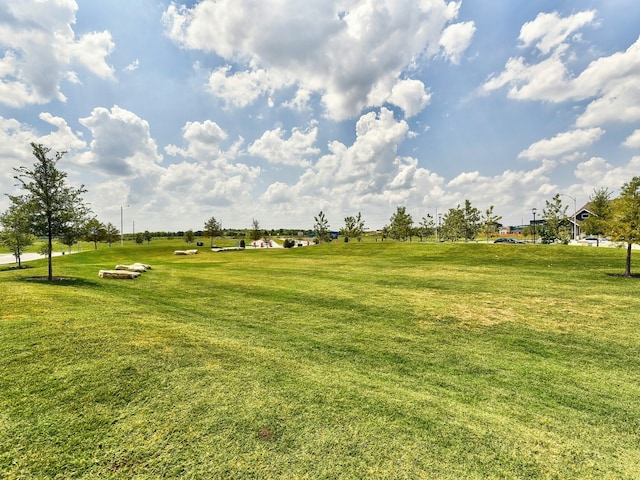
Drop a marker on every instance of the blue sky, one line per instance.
(275, 110)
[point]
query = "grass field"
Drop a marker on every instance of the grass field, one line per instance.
(349, 360)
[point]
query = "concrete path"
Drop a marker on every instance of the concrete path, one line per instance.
(7, 258)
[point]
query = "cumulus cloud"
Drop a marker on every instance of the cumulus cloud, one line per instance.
(352, 59)
(597, 172)
(562, 144)
(122, 142)
(611, 83)
(633, 140)
(456, 39)
(295, 151)
(410, 96)
(549, 30)
(204, 141)
(41, 49)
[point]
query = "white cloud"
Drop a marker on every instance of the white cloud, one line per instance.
(456, 39)
(549, 30)
(633, 140)
(133, 66)
(352, 60)
(122, 142)
(294, 151)
(410, 95)
(41, 49)
(597, 172)
(204, 141)
(562, 144)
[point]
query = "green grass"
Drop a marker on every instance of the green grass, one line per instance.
(376, 360)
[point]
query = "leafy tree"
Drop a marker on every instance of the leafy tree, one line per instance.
(426, 227)
(321, 228)
(147, 236)
(189, 236)
(15, 230)
(256, 233)
(95, 231)
(111, 233)
(401, 226)
(490, 222)
(53, 207)
(471, 221)
(353, 228)
(601, 208)
(556, 226)
(625, 223)
(453, 225)
(212, 228)
(139, 238)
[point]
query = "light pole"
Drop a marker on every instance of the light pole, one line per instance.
(575, 213)
(122, 207)
(438, 229)
(534, 210)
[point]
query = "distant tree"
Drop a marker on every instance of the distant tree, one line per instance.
(111, 233)
(353, 228)
(147, 236)
(426, 227)
(601, 211)
(471, 221)
(139, 238)
(54, 208)
(212, 229)
(15, 230)
(189, 236)
(556, 223)
(489, 223)
(625, 223)
(321, 228)
(256, 233)
(453, 225)
(401, 225)
(95, 231)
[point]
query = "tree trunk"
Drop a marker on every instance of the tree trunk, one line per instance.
(627, 270)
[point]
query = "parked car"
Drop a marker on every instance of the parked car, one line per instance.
(507, 240)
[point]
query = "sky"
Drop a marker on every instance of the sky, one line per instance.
(173, 113)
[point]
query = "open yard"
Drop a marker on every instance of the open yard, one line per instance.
(372, 360)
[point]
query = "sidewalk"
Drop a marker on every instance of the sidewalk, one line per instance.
(7, 258)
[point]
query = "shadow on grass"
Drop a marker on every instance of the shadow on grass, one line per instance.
(57, 280)
(13, 268)
(622, 275)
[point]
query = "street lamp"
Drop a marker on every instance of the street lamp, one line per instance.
(534, 210)
(438, 229)
(122, 207)
(575, 213)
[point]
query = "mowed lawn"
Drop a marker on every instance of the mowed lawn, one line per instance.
(372, 360)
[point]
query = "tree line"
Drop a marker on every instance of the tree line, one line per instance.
(52, 209)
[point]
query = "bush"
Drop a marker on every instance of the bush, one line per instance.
(289, 243)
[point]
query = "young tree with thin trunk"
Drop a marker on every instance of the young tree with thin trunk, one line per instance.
(625, 223)
(321, 228)
(212, 229)
(15, 230)
(54, 208)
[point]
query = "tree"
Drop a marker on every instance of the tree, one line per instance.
(53, 207)
(453, 228)
(321, 228)
(147, 236)
(489, 222)
(111, 233)
(139, 238)
(426, 227)
(601, 210)
(556, 226)
(15, 230)
(353, 228)
(95, 231)
(256, 233)
(401, 224)
(189, 236)
(625, 223)
(471, 221)
(212, 228)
